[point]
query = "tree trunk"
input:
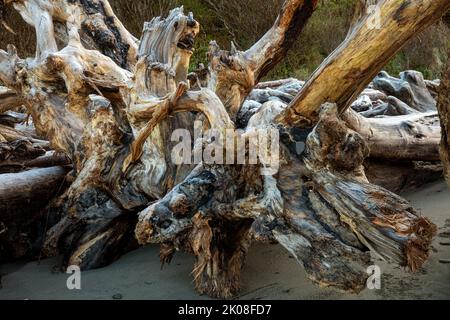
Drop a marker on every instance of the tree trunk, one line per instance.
(38, 160)
(444, 114)
(351, 67)
(400, 176)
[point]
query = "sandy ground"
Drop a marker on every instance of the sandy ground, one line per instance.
(270, 273)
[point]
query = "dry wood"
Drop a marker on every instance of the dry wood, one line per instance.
(400, 176)
(19, 162)
(444, 114)
(112, 112)
(232, 74)
(413, 137)
(9, 100)
(22, 197)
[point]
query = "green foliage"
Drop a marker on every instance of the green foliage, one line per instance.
(244, 21)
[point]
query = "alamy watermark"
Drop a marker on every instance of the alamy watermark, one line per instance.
(230, 146)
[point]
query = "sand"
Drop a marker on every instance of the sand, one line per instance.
(269, 273)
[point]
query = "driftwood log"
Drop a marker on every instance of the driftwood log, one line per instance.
(22, 197)
(110, 103)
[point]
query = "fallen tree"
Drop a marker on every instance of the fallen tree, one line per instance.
(112, 110)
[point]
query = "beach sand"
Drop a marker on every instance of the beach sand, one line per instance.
(269, 273)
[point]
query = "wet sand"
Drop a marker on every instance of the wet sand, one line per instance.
(269, 273)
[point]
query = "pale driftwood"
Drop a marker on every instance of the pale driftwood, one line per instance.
(114, 120)
(392, 107)
(444, 114)
(28, 191)
(402, 133)
(11, 118)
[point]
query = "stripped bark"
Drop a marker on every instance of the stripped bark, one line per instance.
(409, 137)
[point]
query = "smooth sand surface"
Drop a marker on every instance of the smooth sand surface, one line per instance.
(269, 273)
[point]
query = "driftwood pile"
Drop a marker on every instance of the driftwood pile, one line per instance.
(110, 102)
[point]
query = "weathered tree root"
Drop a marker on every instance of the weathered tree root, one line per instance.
(112, 112)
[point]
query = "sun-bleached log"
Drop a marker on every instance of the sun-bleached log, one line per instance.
(11, 118)
(392, 107)
(412, 137)
(410, 88)
(402, 133)
(28, 190)
(370, 45)
(98, 27)
(232, 74)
